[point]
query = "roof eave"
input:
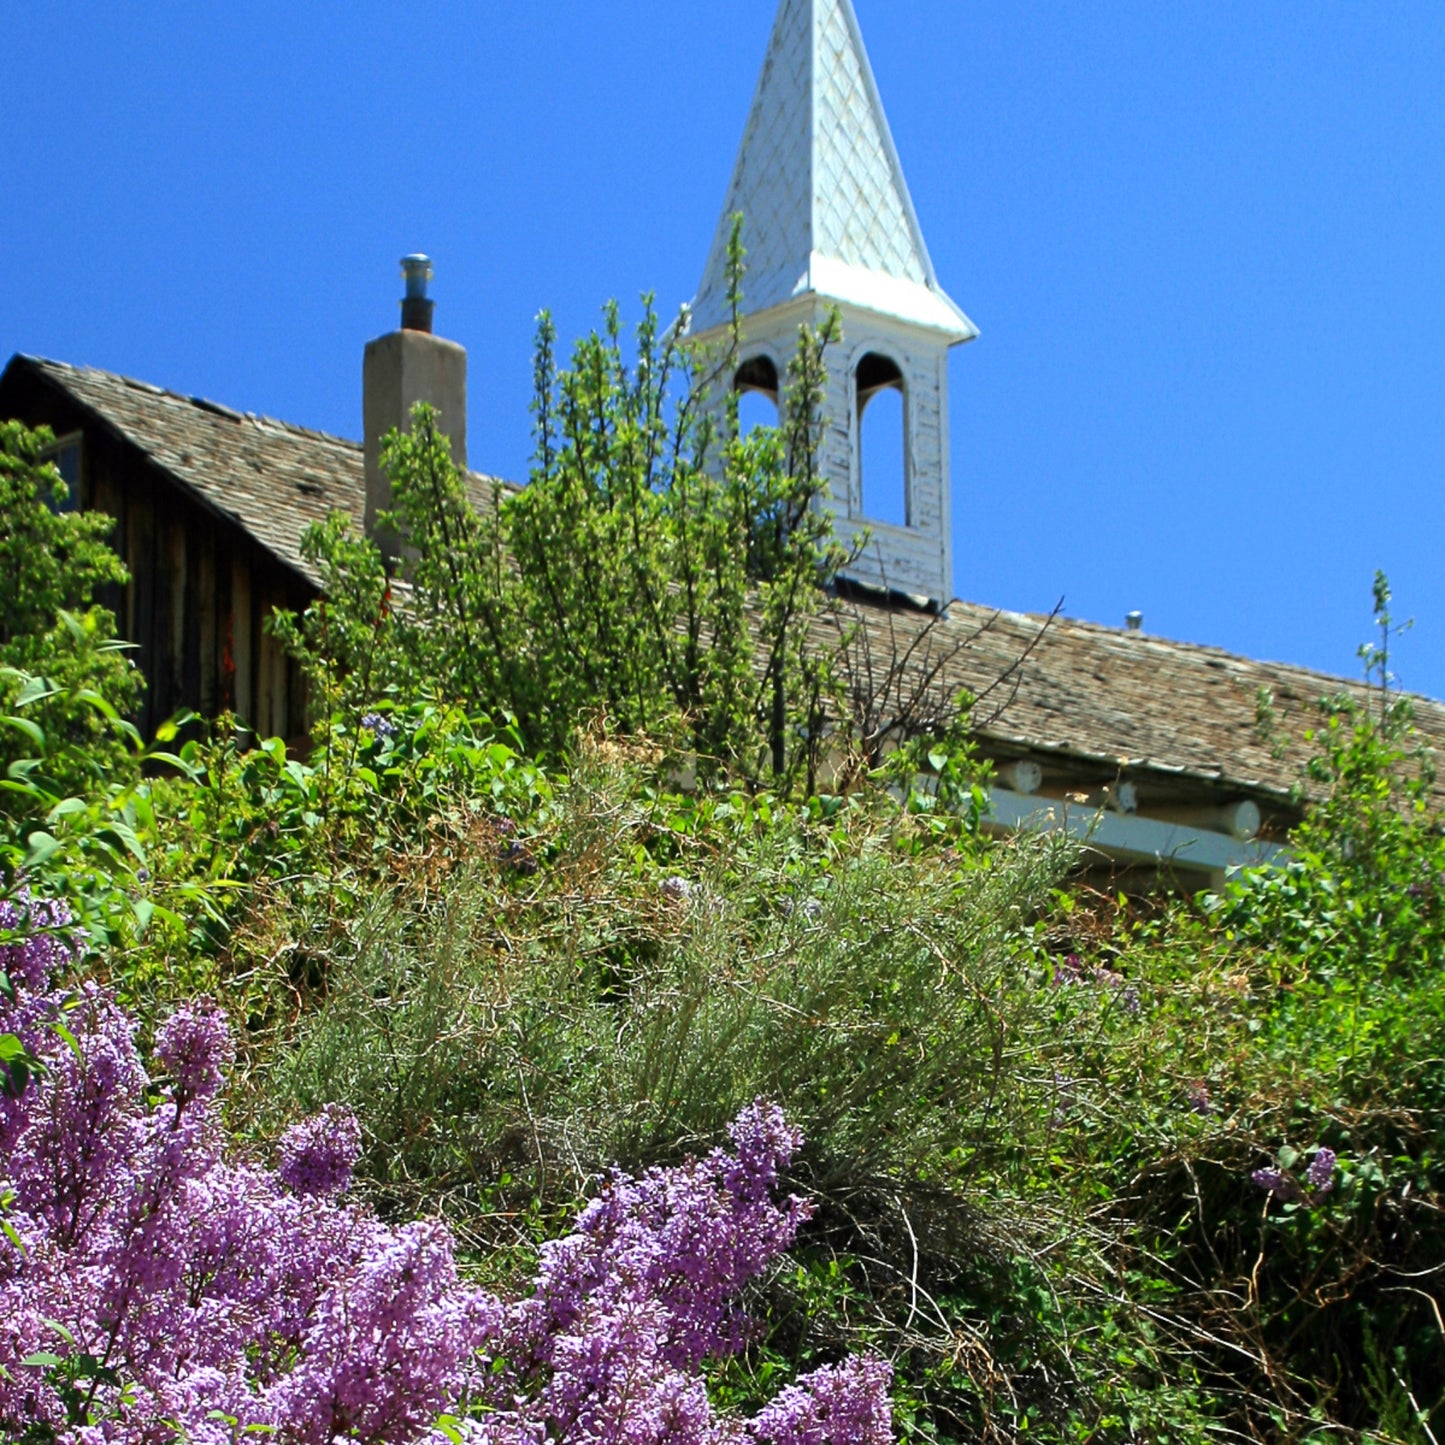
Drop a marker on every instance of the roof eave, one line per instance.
(41, 369)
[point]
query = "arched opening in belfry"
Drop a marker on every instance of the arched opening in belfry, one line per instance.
(882, 440)
(758, 391)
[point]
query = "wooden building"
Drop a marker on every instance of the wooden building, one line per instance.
(210, 506)
(1148, 747)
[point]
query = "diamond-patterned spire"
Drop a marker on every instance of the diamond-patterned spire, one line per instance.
(825, 207)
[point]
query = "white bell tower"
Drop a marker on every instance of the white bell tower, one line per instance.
(828, 221)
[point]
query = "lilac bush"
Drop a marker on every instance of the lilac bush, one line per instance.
(157, 1286)
(147, 1275)
(628, 1306)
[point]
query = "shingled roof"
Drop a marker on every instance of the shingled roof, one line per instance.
(1123, 702)
(271, 478)
(1097, 697)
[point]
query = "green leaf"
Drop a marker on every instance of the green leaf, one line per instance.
(121, 839)
(16, 1079)
(38, 689)
(74, 626)
(43, 847)
(102, 705)
(173, 760)
(43, 1361)
(71, 1042)
(30, 729)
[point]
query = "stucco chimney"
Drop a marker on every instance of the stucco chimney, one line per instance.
(400, 370)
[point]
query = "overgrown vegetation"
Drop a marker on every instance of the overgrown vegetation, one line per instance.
(1081, 1168)
(660, 566)
(57, 645)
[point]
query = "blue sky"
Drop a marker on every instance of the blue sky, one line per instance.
(1203, 242)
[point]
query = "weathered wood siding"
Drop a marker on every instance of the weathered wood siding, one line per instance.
(201, 589)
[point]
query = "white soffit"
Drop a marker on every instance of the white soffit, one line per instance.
(826, 210)
(1131, 837)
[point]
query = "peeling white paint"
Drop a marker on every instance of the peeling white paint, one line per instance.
(828, 220)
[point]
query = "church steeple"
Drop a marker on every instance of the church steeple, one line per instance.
(825, 205)
(828, 220)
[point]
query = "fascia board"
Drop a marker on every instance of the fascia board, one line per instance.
(1129, 837)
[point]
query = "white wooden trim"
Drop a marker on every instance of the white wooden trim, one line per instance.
(1130, 838)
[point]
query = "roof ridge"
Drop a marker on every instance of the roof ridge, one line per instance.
(1206, 649)
(200, 403)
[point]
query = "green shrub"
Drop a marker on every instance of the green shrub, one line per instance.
(658, 959)
(1326, 1029)
(54, 562)
(286, 853)
(658, 567)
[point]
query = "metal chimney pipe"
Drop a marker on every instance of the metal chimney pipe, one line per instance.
(417, 309)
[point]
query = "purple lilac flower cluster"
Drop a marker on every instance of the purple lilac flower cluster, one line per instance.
(195, 1045)
(41, 935)
(629, 1305)
(1319, 1178)
(1277, 1183)
(45, 948)
(208, 1286)
(316, 1156)
(225, 1299)
(844, 1404)
(379, 726)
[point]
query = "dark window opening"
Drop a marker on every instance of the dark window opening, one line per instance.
(759, 374)
(882, 441)
(64, 456)
(757, 384)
